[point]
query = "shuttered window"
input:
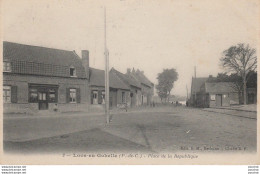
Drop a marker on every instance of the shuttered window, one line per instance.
(78, 95)
(7, 94)
(10, 94)
(73, 95)
(99, 97)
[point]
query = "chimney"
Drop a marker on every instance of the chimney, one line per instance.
(85, 61)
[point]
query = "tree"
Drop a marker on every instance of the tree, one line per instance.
(240, 59)
(166, 80)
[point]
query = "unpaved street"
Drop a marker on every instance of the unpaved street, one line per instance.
(163, 129)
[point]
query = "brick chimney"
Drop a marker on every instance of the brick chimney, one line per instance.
(85, 61)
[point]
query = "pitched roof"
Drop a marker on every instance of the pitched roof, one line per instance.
(220, 87)
(128, 80)
(97, 78)
(38, 60)
(142, 78)
(197, 82)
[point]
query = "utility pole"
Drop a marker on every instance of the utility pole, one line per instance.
(187, 92)
(106, 70)
(195, 72)
(195, 91)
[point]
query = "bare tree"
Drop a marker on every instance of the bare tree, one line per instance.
(240, 59)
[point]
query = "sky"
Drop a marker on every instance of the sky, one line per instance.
(150, 35)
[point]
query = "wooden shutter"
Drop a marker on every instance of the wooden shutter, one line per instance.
(14, 94)
(99, 97)
(91, 97)
(68, 95)
(78, 95)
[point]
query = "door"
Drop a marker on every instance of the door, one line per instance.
(112, 98)
(103, 95)
(95, 97)
(219, 100)
(251, 98)
(132, 99)
(42, 99)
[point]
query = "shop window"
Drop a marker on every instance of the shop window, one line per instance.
(7, 67)
(7, 94)
(72, 71)
(73, 98)
(33, 95)
(42, 96)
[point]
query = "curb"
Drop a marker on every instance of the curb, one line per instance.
(236, 109)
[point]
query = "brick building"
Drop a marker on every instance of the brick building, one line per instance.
(133, 85)
(217, 94)
(147, 87)
(119, 93)
(38, 78)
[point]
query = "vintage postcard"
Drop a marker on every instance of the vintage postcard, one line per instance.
(129, 82)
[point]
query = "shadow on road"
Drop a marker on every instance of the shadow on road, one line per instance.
(94, 140)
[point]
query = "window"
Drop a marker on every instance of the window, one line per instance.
(52, 95)
(7, 94)
(7, 67)
(42, 96)
(123, 97)
(33, 95)
(72, 72)
(213, 97)
(72, 96)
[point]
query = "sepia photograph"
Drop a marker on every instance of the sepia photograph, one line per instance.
(129, 82)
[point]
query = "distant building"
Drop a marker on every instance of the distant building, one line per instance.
(147, 87)
(38, 78)
(119, 92)
(195, 89)
(133, 85)
(218, 94)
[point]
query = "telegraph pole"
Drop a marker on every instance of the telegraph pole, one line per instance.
(106, 70)
(187, 92)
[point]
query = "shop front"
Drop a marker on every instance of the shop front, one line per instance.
(43, 95)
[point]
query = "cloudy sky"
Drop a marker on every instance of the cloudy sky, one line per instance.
(147, 34)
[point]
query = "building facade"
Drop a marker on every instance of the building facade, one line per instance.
(218, 94)
(38, 78)
(134, 86)
(119, 93)
(196, 84)
(147, 87)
